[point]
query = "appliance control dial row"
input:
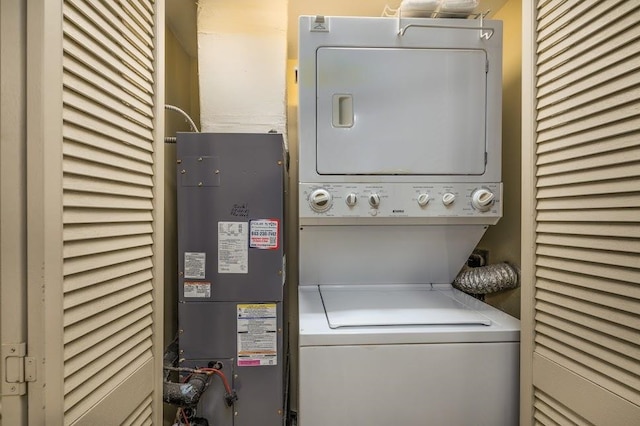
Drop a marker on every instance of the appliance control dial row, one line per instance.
(320, 200)
(482, 199)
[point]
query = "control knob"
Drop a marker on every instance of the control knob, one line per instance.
(482, 199)
(448, 198)
(423, 199)
(374, 200)
(351, 199)
(320, 200)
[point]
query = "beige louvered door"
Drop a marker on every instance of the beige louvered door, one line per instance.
(581, 213)
(95, 200)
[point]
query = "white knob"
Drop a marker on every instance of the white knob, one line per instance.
(374, 200)
(351, 199)
(482, 199)
(448, 198)
(423, 199)
(320, 200)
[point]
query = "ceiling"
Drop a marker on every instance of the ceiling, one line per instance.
(181, 16)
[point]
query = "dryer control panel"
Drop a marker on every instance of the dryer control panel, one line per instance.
(428, 203)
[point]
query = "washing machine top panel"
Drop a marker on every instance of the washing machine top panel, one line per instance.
(444, 302)
(395, 305)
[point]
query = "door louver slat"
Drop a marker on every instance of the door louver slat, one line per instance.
(85, 168)
(98, 186)
(85, 397)
(117, 59)
(140, 416)
(568, 316)
(597, 270)
(562, 16)
(616, 186)
(106, 129)
(592, 368)
(621, 75)
(576, 41)
(556, 413)
(94, 155)
(103, 70)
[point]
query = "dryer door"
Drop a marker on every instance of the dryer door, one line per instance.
(386, 111)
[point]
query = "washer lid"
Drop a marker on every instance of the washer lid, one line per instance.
(395, 305)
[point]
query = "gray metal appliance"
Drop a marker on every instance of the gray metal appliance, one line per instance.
(399, 177)
(230, 197)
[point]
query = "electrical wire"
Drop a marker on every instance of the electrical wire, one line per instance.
(207, 371)
(184, 114)
(220, 374)
(184, 417)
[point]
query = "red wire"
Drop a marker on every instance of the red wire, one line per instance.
(184, 417)
(220, 374)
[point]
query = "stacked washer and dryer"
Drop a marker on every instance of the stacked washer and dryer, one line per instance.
(399, 178)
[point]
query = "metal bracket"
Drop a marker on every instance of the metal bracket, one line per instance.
(485, 32)
(18, 369)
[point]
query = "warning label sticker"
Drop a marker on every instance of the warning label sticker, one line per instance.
(257, 334)
(197, 289)
(263, 234)
(233, 250)
(194, 265)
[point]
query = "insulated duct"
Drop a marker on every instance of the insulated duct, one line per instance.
(487, 279)
(181, 394)
(185, 394)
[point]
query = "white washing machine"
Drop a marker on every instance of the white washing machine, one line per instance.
(399, 177)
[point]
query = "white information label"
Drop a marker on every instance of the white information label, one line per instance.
(200, 289)
(194, 265)
(263, 234)
(257, 335)
(233, 250)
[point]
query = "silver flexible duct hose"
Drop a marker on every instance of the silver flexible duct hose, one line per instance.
(487, 279)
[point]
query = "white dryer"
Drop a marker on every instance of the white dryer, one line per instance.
(399, 177)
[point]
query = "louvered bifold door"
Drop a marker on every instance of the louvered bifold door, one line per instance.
(586, 313)
(109, 99)
(112, 201)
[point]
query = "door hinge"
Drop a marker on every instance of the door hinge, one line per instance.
(18, 369)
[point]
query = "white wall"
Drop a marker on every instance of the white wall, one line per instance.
(242, 49)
